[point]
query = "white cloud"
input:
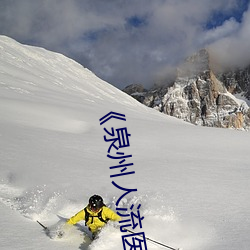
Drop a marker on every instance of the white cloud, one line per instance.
(228, 28)
(233, 50)
(97, 32)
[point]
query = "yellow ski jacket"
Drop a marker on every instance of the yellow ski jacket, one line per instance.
(94, 223)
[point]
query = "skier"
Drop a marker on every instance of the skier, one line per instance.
(95, 214)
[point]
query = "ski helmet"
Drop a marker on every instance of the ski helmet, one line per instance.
(95, 202)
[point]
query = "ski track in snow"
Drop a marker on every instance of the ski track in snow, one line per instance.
(43, 117)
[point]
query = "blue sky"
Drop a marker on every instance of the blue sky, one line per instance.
(131, 41)
(218, 17)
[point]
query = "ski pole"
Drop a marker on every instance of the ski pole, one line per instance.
(45, 228)
(159, 243)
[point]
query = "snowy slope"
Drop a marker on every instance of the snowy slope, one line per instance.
(193, 182)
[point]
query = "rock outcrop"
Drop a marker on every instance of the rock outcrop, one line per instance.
(199, 96)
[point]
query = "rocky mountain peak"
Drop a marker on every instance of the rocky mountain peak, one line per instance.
(196, 64)
(200, 96)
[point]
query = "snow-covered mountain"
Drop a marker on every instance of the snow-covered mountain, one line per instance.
(201, 95)
(237, 81)
(193, 182)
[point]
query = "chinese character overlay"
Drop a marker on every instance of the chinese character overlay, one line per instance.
(117, 139)
(136, 241)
